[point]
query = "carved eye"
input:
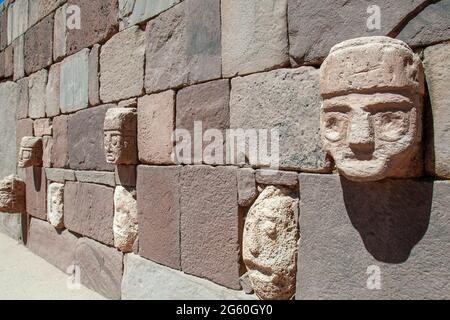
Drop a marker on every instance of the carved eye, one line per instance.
(115, 140)
(391, 126)
(335, 126)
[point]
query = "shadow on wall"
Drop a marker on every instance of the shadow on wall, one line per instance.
(391, 216)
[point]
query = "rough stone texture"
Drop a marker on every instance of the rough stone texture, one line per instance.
(2, 65)
(85, 138)
(125, 224)
(254, 36)
(38, 48)
(60, 151)
(100, 267)
(125, 175)
(19, 58)
(315, 26)
(37, 84)
(57, 247)
(11, 225)
(210, 224)
(47, 147)
(24, 128)
(156, 115)
(183, 45)
(53, 91)
(146, 280)
(105, 178)
(437, 59)
(94, 95)
(55, 205)
(42, 127)
(278, 178)
(12, 195)
(208, 103)
(9, 61)
(8, 102)
(132, 12)
(159, 214)
(17, 19)
(22, 107)
(269, 246)
(287, 100)
(59, 35)
(36, 192)
(98, 23)
(3, 30)
(122, 66)
(47, 6)
(59, 175)
(246, 285)
(247, 191)
(89, 210)
(430, 26)
(401, 226)
(74, 83)
(30, 153)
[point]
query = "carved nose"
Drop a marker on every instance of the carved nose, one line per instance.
(360, 137)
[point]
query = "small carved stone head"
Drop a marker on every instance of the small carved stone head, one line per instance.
(371, 117)
(12, 195)
(120, 136)
(30, 153)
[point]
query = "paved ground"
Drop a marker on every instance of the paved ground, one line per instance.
(23, 275)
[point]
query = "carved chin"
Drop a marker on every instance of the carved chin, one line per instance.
(363, 170)
(111, 158)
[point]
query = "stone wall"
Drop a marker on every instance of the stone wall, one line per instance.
(231, 64)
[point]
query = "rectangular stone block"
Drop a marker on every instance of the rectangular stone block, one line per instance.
(36, 192)
(437, 69)
(9, 61)
(52, 91)
(354, 234)
(74, 82)
(247, 191)
(17, 19)
(42, 127)
(122, 66)
(19, 58)
(59, 35)
(11, 225)
(94, 91)
(8, 103)
(99, 20)
(86, 141)
(100, 266)
(104, 178)
(37, 85)
(183, 45)
(47, 145)
(57, 247)
(286, 100)
(22, 107)
(156, 115)
(3, 29)
(59, 175)
(277, 178)
(33, 12)
(60, 150)
(89, 210)
(258, 26)
(159, 214)
(137, 11)
(38, 47)
(210, 224)
(146, 280)
(47, 6)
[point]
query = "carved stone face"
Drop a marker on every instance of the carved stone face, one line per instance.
(120, 136)
(55, 205)
(371, 116)
(12, 195)
(30, 153)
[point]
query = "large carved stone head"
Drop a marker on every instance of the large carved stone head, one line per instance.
(371, 117)
(120, 136)
(12, 195)
(30, 153)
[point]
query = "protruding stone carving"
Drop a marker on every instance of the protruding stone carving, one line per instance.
(30, 153)
(12, 195)
(55, 205)
(270, 244)
(371, 120)
(120, 135)
(125, 219)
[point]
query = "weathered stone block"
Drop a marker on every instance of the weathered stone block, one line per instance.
(57, 247)
(8, 103)
(9, 61)
(122, 66)
(19, 58)
(125, 219)
(37, 84)
(159, 214)
(11, 225)
(36, 192)
(52, 91)
(30, 153)
(2, 64)
(60, 151)
(38, 47)
(287, 100)
(350, 232)
(59, 175)
(3, 29)
(132, 12)
(47, 6)
(17, 19)
(12, 195)
(100, 267)
(105, 178)
(94, 95)
(277, 178)
(156, 115)
(55, 205)
(47, 146)
(89, 210)
(183, 45)
(258, 26)
(146, 280)
(437, 71)
(22, 107)
(74, 83)
(42, 127)
(210, 224)
(24, 128)
(85, 138)
(247, 191)
(59, 35)
(99, 20)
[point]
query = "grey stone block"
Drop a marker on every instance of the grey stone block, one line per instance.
(9, 95)
(60, 175)
(11, 225)
(132, 12)
(98, 177)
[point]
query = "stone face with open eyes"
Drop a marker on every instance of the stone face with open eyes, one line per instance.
(30, 154)
(371, 117)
